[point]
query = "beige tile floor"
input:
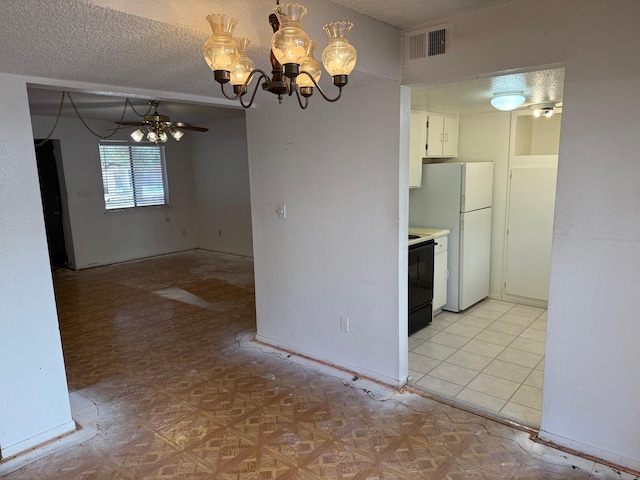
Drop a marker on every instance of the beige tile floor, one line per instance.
(490, 357)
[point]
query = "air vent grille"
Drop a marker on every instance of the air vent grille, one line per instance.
(437, 42)
(421, 44)
(418, 46)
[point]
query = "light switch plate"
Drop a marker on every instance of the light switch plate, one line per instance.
(282, 210)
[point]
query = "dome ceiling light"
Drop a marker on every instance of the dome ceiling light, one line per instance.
(507, 101)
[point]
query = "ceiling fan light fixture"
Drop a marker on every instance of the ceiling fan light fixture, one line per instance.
(507, 101)
(137, 135)
(177, 134)
(543, 110)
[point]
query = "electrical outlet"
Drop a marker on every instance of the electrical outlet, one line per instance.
(219, 233)
(344, 324)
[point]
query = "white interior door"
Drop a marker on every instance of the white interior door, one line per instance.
(529, 231)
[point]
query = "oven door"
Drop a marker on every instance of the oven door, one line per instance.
(420, 274)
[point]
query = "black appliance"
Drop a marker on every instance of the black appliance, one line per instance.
(420, 285)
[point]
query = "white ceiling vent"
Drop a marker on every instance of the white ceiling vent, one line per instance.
(428, 42)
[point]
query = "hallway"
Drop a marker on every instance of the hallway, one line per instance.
(166, 384)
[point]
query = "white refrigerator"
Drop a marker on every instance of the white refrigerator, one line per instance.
(457, 196)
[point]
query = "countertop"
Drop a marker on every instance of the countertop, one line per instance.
(432, 232)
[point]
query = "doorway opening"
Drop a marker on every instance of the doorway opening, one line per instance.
(54, 206)
(491, 356)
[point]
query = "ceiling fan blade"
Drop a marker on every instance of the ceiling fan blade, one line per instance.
(186, 126)
(131, 124)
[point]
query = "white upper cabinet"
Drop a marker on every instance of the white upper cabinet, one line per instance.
(417, 147)
(442, 135)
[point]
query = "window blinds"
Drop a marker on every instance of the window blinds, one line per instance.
(132, 175)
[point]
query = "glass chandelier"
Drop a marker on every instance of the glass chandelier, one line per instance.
(294, 67)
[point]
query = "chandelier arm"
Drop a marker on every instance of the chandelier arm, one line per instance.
(263, 76)
(253, 73)
(290, 85)
(306, 100)
(324, 95)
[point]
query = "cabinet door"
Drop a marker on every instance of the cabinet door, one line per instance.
(450, 144)
(435, 135)
(417, 147)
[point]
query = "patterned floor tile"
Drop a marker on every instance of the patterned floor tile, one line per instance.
(175, 395)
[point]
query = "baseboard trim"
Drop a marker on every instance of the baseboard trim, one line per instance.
(598, 455)
(37, 440)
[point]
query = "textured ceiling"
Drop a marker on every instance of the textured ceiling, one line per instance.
(98, 106)
(474, 96)
(155, 46)
(407, 14)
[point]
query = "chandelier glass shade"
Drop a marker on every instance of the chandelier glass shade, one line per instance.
(295, 69)
(220, 50)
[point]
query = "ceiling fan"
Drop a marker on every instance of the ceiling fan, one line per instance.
(157, 127)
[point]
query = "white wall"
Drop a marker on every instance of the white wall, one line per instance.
(101, 237)
(337, 168)
(590, 386)
(34, 405)
(221, 179)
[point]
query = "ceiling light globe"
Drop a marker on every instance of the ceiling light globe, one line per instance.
(163, 137)
(138, 135)
(244, 66)
(290, 43)
(152, 137)
(548, 113)
(507, 101)
(220, 50)
(339, 57)
(177, 134)
(311, 66)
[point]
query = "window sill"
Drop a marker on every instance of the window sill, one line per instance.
(124, 211)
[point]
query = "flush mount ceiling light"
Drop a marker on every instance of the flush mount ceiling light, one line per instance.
(543, 110)
(507, 100)
(294, 67)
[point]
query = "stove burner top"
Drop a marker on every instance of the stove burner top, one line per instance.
(413, 237)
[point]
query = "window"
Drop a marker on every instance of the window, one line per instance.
(132, 175)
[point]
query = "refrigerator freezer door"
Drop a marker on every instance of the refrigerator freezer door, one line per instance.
(477, 186)
(475, 252)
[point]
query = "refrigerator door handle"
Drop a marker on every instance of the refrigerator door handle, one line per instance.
(462, 209)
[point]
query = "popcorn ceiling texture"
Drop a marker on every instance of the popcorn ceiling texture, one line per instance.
(76, 41)
(156, 45)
